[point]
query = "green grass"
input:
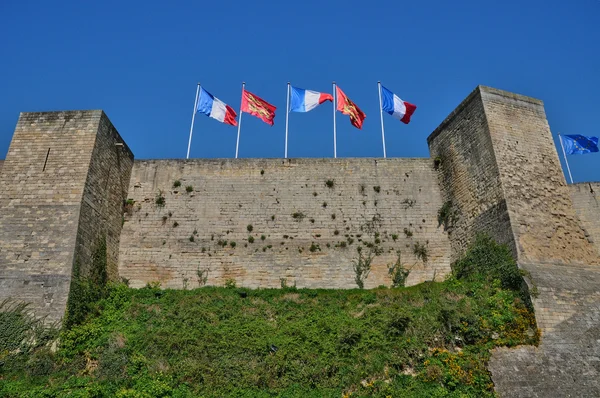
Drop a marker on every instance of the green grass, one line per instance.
(430, 340)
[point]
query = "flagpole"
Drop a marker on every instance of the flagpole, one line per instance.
(565, 155)
(287, 114)
(193, 116)
(334, 109)
(381, 114)
(237, 144)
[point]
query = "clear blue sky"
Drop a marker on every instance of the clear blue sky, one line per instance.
(140, 62)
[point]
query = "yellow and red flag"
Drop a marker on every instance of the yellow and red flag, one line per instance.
(258, 107)
(347, 107)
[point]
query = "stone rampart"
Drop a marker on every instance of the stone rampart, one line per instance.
(586, 202)
(302, 231)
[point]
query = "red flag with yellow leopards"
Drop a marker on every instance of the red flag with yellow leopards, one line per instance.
(258, 107)
(347, 107)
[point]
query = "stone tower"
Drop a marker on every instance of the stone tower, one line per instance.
(63, 184)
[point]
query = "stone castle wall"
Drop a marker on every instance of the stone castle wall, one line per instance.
(586, 202)
(43, 182)
(391, 204)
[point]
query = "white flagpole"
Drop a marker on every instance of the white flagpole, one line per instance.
(287, 115)
(192, 126)
(381, 114)
(237, 144)
(565, 155)
(334, 109)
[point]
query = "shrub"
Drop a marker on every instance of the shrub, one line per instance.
(447, 215)
(263, 237)
(420, 251)
(362, 267)
(398, 273)
(249, 227)
(160, 199)
(329, 183)
(251, 239)
(189, 188)
(324, 204)
(408, 232)
(336, 232)
(176, 184)
(175, 224)
(298, 216)
(488, 260)
(394, 237)
(377, 188)
(232, 244)
(191, 238)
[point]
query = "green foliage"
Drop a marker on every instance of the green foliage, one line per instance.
(362, 268)
(87, 286)
(420, 251)
(447, 215)
(429, 340)
(176, 184)
(232, 244)
(189, 188)
(330, 183)
(263, 237)
(490, 261)
(250, 239)
(249, 227)
(398, 272)
(298, 216)
(377, 188)
(313, 248)
(160, 199)
(408, 233)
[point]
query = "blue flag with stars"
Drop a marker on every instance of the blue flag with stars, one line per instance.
(579, 144)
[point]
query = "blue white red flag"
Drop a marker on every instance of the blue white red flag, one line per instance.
(215, 108)
(307, 100)
(393, 105)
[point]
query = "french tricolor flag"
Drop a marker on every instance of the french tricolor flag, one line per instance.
(393, 105)
(307, 100)
(215, 108)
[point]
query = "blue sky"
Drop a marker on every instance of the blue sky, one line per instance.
(140, 62)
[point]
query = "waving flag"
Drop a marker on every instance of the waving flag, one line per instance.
(307, 100)
(393, 105)
(579, 144)
(347, 107)
(215, 108)
(258, 107)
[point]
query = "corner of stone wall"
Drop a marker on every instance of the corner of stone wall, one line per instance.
(462, 152)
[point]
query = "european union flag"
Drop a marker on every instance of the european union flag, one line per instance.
(579, 144)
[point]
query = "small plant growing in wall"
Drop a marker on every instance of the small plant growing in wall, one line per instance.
(377, 188)
(251, 239)
(398, 272)
(447, 215)
(189, 188)
(362, 268)
(191, 238)
(394, 237)
(437, 162)
(313, 248)
(315, 194)
(128, 206)
(202, 276)
(176, 184)
(249, 227)
(262, 237)
(262, 172)
(160, 199)
(324, 204)
(329, 183)
(420, 251)
(232, 244)
(408, 232)
(298, 216)
(175, 224)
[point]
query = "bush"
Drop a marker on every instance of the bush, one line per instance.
(189, 188)
(488, 260)
(176, 184)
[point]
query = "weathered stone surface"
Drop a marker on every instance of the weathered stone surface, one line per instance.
(567, 362)
(48, 173)
(231, 194)
(586, 202)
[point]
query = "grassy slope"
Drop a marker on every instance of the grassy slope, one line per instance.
(424, 341)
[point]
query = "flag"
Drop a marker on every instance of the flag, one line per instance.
(215, 108)
(393, 105)
(347, 107)
(579, 144)
(258, 107)
(307, 100)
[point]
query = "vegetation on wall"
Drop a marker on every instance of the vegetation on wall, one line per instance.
(429, 340)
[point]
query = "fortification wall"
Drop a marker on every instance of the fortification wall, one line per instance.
(469, 176)
(586, 202)
(43, 182)
(372, 201)
(541, 211)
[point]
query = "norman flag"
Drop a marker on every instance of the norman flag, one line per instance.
(347, 107)
(258, 107)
